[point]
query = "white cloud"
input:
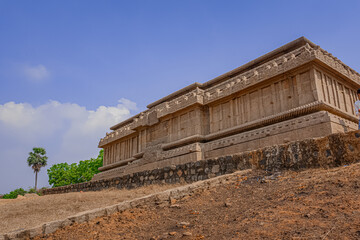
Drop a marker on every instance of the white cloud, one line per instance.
(127, 104)
(36, 73)
(67, 131)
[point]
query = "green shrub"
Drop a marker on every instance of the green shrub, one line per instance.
(64, 174)
(32, 190)
(14, 194)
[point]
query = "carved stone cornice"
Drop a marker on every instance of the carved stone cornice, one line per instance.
(195, 96)
(117, 134)
(265, 71)
(144, 119)
(336, 64)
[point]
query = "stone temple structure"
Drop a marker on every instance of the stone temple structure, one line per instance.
(295, 92)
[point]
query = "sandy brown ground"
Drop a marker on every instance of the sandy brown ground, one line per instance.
(31, 212)
(314, 204)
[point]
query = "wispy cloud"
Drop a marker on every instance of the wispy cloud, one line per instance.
(69, 132)
(37, 73)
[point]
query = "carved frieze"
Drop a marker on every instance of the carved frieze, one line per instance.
(265, 71)
(336, 64)
(117, 134)
(193, 97)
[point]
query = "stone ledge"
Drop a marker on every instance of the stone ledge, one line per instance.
(117, 164)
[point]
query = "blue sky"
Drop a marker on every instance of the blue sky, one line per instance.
(71, 69)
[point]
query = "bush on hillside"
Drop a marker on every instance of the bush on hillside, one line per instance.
(20, 191)
(14, 194)
(31, 190)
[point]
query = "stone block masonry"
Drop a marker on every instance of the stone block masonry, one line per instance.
(295, 92)
(325, 152)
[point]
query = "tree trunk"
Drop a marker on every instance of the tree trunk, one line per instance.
(36, 180)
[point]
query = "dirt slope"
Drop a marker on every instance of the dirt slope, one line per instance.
(33, 211)
(315, 204)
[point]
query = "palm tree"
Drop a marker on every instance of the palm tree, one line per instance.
(37, 160)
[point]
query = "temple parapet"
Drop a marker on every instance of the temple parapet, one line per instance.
(294, 92)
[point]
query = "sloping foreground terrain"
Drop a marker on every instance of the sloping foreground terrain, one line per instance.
(313, 204)
(28, 212)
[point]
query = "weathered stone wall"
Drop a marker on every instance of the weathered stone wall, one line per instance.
(331, 151)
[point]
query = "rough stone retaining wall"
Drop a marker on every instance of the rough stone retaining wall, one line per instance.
(331, 151)
(162, 198)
